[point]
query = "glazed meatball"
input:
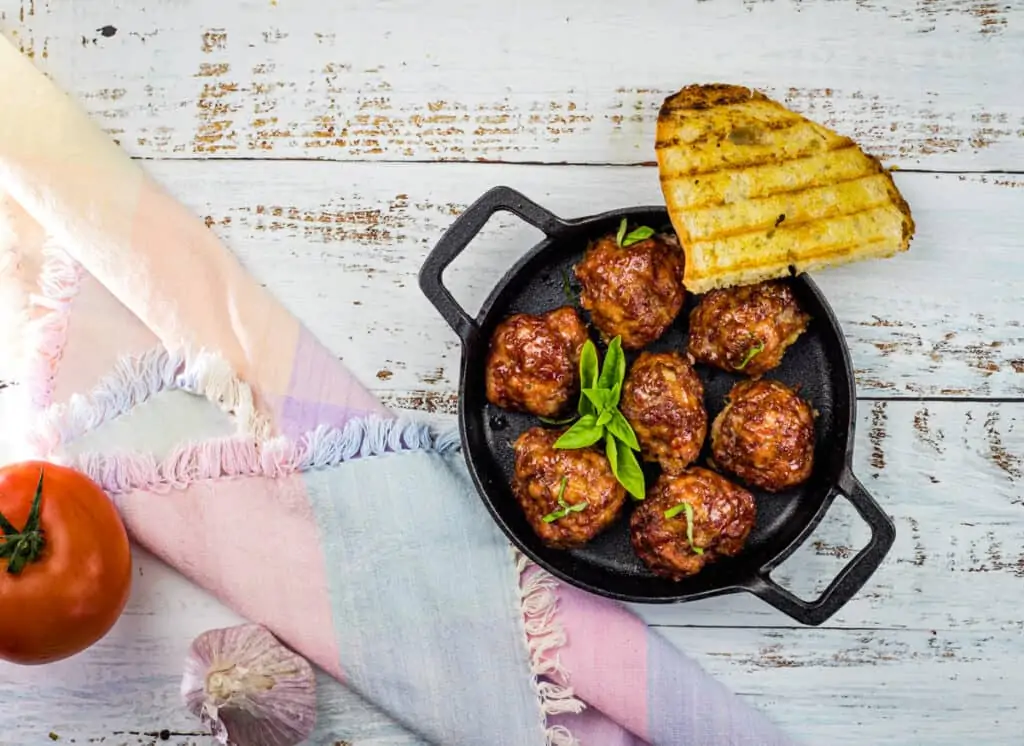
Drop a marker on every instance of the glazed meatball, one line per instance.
(663, 399)
(533, 364)
(765, 435)
(635, 292)
(569, 496)
(746, 328)
(723, 515)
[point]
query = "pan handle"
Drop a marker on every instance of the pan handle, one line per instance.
(851, 578)
(458, 237)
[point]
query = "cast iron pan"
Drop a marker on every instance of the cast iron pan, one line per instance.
(819, 363)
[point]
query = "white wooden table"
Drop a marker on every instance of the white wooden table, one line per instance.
(329, 145)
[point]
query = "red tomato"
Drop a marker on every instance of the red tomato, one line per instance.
(72, 585)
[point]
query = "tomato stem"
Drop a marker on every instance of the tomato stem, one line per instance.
(20, 548)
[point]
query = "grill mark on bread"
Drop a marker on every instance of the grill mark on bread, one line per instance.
(676, 175)
(778, 193)
(750, 123)
(758, 163)
(786, 225)
(770, 156)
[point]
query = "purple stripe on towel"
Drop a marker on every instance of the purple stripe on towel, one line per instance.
(322, 391)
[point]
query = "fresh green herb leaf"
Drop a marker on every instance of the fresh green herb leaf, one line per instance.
(613, 369)
(622, 232)
(563, 421)
(570, 295)
(600, 416)
(688, 509)
(581, 435)
(636, 236)
(616, 394)
(625, 467)
(619, 426)
(588, 365)
(564, 507)
(675, 510)
(751, 354)
(597, 397)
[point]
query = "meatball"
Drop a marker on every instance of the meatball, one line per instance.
(635, 292)
(746, 328)
(663, 399)
(569, 496)
(722, 513)
(765, 435)
(533, 364)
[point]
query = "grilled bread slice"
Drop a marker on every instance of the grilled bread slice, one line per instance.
(756, 191)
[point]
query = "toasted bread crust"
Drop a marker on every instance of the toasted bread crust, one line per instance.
(756, 191)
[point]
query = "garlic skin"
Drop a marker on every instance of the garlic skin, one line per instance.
(248, 688)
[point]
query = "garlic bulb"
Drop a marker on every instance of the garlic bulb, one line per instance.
(249, 689)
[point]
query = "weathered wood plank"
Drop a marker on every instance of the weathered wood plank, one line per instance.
(570, 82)
(835, 686)
(951, 476)
(341, 246)
(850, 687)
(935, 624)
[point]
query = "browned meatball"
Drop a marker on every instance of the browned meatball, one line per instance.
(574, 488)
(635, 292)
(746, 328)
(723, 515)
(533, 364)
(765, 435)
(663, 399)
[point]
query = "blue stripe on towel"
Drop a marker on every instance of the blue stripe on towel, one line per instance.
(425, 599)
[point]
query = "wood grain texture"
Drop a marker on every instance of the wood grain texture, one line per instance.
(567, 82)
(938, 622)
(927, 652)
(341, 246)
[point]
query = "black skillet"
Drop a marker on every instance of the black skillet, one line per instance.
(819, 364)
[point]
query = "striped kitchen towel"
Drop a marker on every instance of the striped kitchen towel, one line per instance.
(298, 499)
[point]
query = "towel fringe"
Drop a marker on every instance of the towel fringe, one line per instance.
(137, 378)
(544, 636)
(236, 457)
(46, 330)
(210, 375)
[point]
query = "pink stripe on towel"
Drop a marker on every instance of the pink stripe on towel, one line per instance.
(206, 531)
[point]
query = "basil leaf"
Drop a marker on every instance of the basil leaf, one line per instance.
(597, 397)
(751, 354)
(578, 507)
(630, 474)
(611, 450)
(675, 510)
(625, 467)
(581, 435)
(613, 370)
(616, 394)
(622, 232)
(588, 365)
(689, 528)
(605, 417)
(619, 426)
(688, 509)
(636, 236)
